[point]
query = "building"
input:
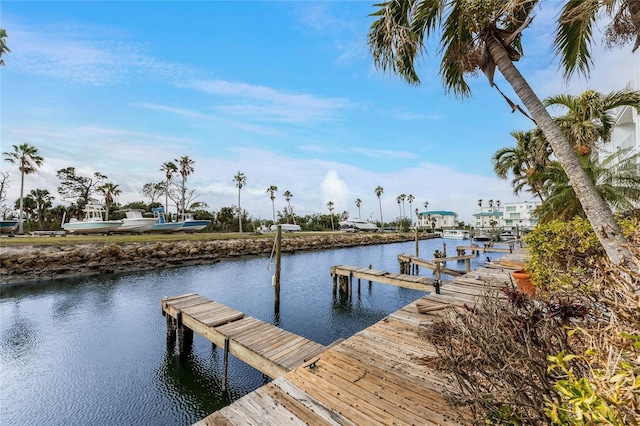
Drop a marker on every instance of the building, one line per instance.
(514, 215)
(437, 219)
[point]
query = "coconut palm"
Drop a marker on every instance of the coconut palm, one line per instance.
(426, 205)
(28, 161)
(169, 168)
(110, 190)
(617, 179)
(186, 169)
(272, 189)
(410, 199)
(287, 196)
(358, 204)
(399, 201)
(330, 207)
(240, 179)
(379, 190)
(3, 45)
(588, 116)
(402, 198)
(476, 35)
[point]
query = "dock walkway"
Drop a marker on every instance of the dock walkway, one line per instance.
(345, 275)
(379, 376)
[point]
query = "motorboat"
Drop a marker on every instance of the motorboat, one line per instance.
(92, 223)
(193, 225)
(8, 226)
(286, 227)
(482, 235)
(455, 234)
(507, 236)
(356, 225)
(135, 222)
(161, 225)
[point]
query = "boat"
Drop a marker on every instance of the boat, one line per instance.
(507, 236)
(8, 226)
(161, 225)
(355, 225)
(193, 225)
(286, 227)
(455, 234)
(92, 223)
(482, 235)
(135, 222)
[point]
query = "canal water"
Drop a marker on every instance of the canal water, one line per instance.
(93, 350)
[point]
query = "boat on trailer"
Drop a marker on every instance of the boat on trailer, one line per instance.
(356, 225)
(193, 225)
(161, 224)
(92, 223)
(8, 226)
(135, 222)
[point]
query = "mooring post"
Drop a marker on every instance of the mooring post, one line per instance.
(225, 363)
(444, 249)
(276, 299)
(467, 265)
(185, 336)
(171, 330)
(416, 267)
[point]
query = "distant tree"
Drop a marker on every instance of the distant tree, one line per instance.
(426, 205)
(153, 191)
(379, 190)
(403, 197)
(399, 201)
(240, 179)
(28, 161)
(170, 169)
(271, 190)
(287, 196)
(109, 190)
(330, 207)
(3, 45)
(30, 207)
(43, 201)
(411, 199)
(185, 169)
(4, 184)
(78, 189)
(358, 204)
(224, 217)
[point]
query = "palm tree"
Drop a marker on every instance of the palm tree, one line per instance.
(478, 35)
(491, 205)
(43, 201)
(28, 161)
(169, 168)
(3, 45)
(403, 214)
(617, 179)
(330, 207)
(426, 205)
(358, 204)
(110, 190)
(399, 200)
(379, 190)
(186, 169)
(272, 189)
(287, 196)
(498, 204)
(240, 179)
(410, 199)
(588, 119)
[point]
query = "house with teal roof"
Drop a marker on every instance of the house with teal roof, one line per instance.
(437, 219)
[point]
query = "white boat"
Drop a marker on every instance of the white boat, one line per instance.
(507, 236)
(286, 227)
(482, 235)
(455, 234)
(135, 222)
(193, 225)
(92, 223)
(8, 226)
(161, 225)
(355, 225)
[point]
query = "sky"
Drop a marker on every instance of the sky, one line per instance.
(285, 92)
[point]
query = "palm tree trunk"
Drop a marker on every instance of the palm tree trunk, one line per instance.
(381, 222)
(239, 213)
(20, 226)
(595, 208)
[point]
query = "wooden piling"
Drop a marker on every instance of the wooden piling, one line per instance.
(225, 364)
(276, 300)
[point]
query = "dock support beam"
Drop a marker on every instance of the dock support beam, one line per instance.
(185, 336)
(172, 326)
(225, 364)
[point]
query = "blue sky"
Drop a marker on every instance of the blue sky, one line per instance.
(285, 92)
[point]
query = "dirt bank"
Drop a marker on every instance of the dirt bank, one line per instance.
(31, 264)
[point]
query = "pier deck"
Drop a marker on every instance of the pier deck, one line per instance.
(379, 376)
(346, 273)
(267, 348)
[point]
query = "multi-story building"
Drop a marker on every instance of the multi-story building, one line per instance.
(516, 215)
(437, 219)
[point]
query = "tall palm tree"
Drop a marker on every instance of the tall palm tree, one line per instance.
(426, 205)
(287, 196)
(186, 169)
(358, 204)
(484, 35)
(410, 199)
(3, 45)
(490, 205)
(403, 214)
(272, 189)
(617, 179)
(588, 116)
(169, 168)
(330, 207)
(399, 201)
(240, 179)
(379, 190)
(28, 161)
(524, 161)
(110, 190)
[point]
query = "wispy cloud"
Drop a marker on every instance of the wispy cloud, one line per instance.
(365, 152)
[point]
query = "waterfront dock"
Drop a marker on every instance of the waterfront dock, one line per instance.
(269, 349)
(379, 376)
(343, 276)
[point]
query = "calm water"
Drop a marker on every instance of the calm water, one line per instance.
(93, 351)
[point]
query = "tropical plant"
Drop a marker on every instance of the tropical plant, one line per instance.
(240, 179)
(330, 207)
(616, 178)
(3, 45)
(482, 35)
(588, 116)
(110, 190)
(186, 169)
(358, 204)
(43, 201)
(399, 200)
(78, 189)
(426, 205)
(378, 191)
(287, 196)
(28, 161)
(271, 190)
(153, 191)
(403, 197)
(169, 168)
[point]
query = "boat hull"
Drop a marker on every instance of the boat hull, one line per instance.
(194, 225)
(137, 225)
(103, 227)
(166, 227)
(8, 226)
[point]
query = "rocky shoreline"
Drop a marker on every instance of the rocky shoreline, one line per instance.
(34, 264)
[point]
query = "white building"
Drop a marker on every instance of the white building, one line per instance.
(437, 219)
(508, 216)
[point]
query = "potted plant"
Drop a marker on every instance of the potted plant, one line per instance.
(523, 282)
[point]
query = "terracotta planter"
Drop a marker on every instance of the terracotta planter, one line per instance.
(523, 282)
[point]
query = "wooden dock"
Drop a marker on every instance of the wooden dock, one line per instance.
(376, 377)
(408, 263)
(343, 276)
(267, 348)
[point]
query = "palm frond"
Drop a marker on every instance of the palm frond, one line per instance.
(574, 35)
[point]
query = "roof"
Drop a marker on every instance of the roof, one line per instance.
(488, 214)
(439, 212)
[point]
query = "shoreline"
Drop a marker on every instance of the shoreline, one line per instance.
(36, 264)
